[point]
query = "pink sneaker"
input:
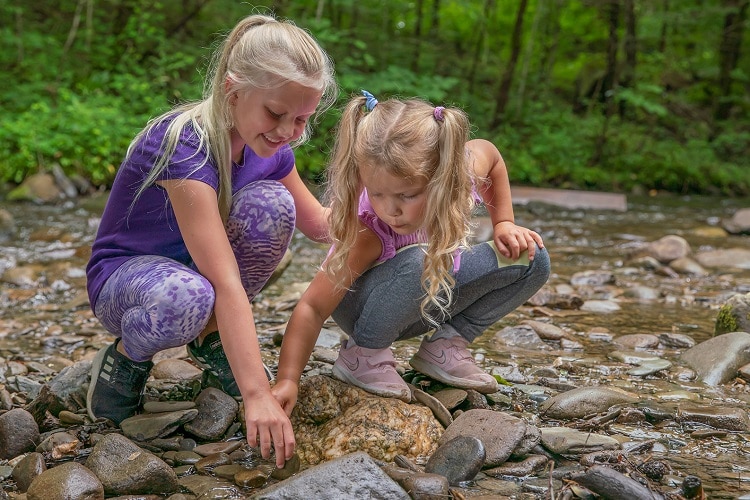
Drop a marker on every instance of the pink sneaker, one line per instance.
(373, 370)
(450, 362)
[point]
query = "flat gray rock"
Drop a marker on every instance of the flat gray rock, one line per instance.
(352, 476)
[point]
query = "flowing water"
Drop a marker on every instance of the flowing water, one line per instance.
(44, 311)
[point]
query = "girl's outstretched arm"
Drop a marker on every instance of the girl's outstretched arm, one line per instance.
(196, 209)
(489, 166)
(312, 217)
(317, 303)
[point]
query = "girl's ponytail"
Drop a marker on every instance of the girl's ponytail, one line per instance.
(343, 187)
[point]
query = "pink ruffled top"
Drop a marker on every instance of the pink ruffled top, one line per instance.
(391, 240)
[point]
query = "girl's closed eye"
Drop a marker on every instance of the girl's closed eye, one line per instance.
(274, 115)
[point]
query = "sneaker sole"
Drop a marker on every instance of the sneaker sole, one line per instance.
(345, 376)
(96, 365)
(438, 374)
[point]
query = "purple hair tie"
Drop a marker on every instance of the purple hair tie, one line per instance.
(438, 113)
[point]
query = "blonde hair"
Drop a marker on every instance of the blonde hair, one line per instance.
(404, 138)
(259, 53)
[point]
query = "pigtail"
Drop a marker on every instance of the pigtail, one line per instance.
(448, 211)
(343, 189)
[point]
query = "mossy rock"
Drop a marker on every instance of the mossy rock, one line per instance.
(734, 315)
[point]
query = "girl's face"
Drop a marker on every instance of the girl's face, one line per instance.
(398, 201)
(267, 119)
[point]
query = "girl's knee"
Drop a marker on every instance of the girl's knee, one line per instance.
(262, 210)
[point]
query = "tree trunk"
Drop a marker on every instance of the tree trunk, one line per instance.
(541, 7)
(551, 39)
(609, 82)
(628, 70)
(482, 28)
(417, 36)
(435, 19)
(729, 54)
(503, 93)
(664, 28)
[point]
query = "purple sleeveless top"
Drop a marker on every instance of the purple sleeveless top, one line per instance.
(391, 240)
(150, 227)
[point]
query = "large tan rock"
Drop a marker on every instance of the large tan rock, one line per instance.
(333, 419)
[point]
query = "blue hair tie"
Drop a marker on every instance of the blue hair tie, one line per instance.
(371, 102)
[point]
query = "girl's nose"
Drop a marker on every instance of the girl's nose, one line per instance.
(393, 209)
(285, 129)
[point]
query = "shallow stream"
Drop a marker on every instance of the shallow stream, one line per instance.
(44, 310)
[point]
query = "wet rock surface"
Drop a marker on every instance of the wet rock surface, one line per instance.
(616, 381)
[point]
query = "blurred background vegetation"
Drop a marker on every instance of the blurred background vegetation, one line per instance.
(614, 95)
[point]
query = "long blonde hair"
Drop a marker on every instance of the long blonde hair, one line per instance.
(405, 138)
(259, 53)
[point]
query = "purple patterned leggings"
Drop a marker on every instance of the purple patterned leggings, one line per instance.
(155, 303)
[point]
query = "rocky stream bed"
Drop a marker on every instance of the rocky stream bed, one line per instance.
(616, 382)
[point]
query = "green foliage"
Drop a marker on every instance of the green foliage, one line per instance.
(84, 81)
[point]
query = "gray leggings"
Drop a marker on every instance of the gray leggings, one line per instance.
(154, 302)
(383, 305)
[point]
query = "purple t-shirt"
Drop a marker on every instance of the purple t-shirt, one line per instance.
(150, 228)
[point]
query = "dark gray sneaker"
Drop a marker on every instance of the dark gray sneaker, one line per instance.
(117, 385)
(216, 371)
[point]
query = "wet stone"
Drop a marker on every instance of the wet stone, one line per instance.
(459, 459)
(592, 278)
(638, 341)
(167, 406)
(209, 463)
(531, 465)
(509, 374)
(451, 397)
(69, 418)
(216, 412)
(227, 471)
(355, 475)
(499, 432)
(250, 478)
(650, 367)
(676, 340)
(420, 485)
(441, 413)
(186, 457)
(67, 480)
(717, 360)
(218, 447)
(584, 401)
(5, 472)
(124, 468)
(291, 467)
(19, 433)
(149, 426)
(209, 487)
(28, 469)
(566, 441)
(171, 443)
(732, 419)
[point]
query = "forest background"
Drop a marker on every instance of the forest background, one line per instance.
(614, 95)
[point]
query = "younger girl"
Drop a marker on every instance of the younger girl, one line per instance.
(403, 182)
(200, 214)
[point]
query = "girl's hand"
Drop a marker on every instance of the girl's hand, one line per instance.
(511, 240)
(268, 425)
(285, 392)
